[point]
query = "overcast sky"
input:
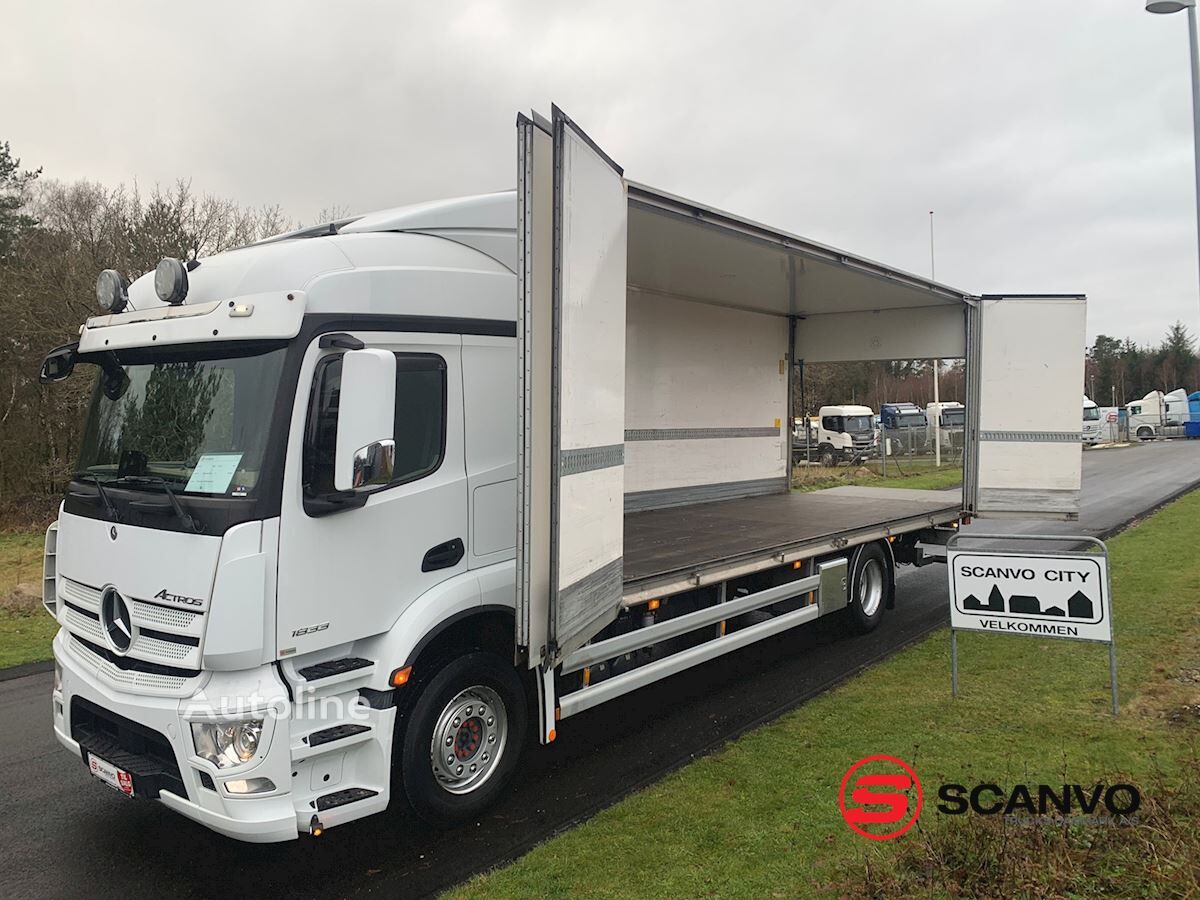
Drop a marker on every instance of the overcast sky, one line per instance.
(1052, 137)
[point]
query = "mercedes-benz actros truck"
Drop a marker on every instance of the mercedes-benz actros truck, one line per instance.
(363, 509)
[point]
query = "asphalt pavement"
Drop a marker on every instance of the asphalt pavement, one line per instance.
(65, 834)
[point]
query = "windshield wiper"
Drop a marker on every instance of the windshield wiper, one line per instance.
(100, 492)
(188, 521)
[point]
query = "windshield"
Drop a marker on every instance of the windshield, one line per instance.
(858, 423)
(911, 420)
(1091, 413)
(954, 416)
(196, 418)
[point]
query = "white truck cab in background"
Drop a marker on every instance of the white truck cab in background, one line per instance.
(951, 418)
(1158, 414)
(1091, 422)
(845, 433)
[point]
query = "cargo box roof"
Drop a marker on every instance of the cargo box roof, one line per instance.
(688, 249)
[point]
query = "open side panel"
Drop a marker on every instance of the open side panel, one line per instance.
(1025, 374)
(535, 326)
(588, 389)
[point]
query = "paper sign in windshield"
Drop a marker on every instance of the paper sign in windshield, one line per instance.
(213, 473)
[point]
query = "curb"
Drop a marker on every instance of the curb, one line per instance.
(31, 668)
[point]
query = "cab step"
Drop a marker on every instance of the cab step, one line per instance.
(333, 667)
(342, 797)
(336, 733)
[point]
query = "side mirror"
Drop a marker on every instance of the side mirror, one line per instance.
(374, 464)
(366, 423)
(59, 364)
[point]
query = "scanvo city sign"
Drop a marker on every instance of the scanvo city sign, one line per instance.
(1044, 595)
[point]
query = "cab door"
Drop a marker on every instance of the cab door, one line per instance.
(348, 573)
(1025, 365)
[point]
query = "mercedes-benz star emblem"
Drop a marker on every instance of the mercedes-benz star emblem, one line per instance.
(112, 532)
(116, 621)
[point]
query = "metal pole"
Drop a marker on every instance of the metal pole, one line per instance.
(1195, 66)
(1112, 674)
(932, 268)
(937, 428)
(953, 663)
(791, 401)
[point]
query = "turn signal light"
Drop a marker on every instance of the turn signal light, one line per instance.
(551, 736)
(653, 605)
(400, 677)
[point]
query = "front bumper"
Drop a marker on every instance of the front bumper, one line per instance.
(160, 754)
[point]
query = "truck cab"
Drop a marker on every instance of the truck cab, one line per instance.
(950, 418)
(1091, 422)
(844, 433)
(346, 394)
(905, 427)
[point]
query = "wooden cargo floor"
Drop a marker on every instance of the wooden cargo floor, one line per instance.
(685, 539)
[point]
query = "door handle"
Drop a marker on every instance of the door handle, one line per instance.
(443, 556)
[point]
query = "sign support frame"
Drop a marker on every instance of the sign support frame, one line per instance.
(1075, 541)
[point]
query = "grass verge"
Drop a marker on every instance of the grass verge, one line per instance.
(761, 817)
(926, 478)
(25, 628)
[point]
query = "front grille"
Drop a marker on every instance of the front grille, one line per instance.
(169, 636)
(143, 752)
(153, 614)
(132, 674)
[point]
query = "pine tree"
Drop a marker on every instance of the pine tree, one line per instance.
(14, 196)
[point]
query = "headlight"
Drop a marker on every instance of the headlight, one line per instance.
(227, 744)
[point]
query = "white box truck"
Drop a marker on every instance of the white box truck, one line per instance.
(361, 507)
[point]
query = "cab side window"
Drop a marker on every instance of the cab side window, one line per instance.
(420, 424)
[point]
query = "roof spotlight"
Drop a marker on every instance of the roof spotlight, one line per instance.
(112, 291)
(171, 281)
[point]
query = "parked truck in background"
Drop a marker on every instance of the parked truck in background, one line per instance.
(844, 433)
(362, 509)
(1091, 422)
(950, 417)
(1159, 415)
(905, 428)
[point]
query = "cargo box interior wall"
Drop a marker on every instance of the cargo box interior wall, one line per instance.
(705, 402)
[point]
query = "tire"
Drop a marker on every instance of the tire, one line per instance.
(1145, 433)
(479, 688)
(870, 584)
(827, 458)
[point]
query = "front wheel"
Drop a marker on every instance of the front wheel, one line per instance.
(463, 739)
(1145, 433)
(870, 582)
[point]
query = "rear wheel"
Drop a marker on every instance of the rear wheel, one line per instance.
(870, 582)
(463, 739)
